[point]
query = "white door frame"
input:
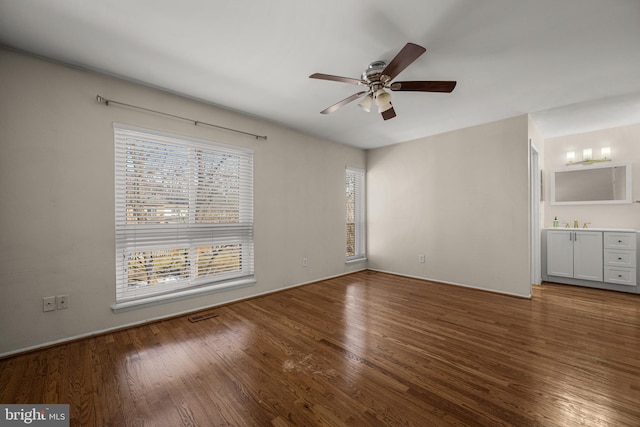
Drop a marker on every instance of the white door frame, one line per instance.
(535, 191)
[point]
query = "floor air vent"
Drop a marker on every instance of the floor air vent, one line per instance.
(202, 316)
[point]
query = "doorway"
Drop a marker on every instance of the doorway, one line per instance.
(535, 191)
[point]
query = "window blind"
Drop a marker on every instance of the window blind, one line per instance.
(355, 214)
(184, 213)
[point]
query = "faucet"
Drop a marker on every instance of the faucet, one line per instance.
(575, 223)
(585, 224)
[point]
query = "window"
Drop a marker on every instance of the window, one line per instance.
(355, 214)
(184, 216)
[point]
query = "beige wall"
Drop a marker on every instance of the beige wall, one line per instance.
(57, 192)
(625, 147)
(460, 198)
(537, 140)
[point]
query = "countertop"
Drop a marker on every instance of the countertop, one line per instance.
(627, 230)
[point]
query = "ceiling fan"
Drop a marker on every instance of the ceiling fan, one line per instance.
(377, 78)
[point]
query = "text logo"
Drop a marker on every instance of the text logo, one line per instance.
(36, 415)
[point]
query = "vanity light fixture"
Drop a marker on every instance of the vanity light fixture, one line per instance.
(571, 156)
(587, 156)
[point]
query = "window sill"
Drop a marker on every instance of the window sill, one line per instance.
(183, 294)
(355, 260)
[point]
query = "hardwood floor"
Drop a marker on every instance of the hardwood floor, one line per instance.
(364, 349)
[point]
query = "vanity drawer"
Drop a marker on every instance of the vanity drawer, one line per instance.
(619, 240)
(620, 275)
(619, 258)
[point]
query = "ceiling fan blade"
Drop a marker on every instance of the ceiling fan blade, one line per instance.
(409, 53)
(424, 86)
(342, 103)
(389, 114)
(337, 79)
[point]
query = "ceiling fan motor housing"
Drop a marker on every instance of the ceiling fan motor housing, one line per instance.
(373, 75)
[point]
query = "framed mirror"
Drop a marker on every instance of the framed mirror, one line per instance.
(594, 184)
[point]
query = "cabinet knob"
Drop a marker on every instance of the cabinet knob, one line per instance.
(619, 259)
(619, 241)
(619, 275)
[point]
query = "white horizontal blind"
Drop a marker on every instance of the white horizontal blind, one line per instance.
(355, 213)
(184, 213)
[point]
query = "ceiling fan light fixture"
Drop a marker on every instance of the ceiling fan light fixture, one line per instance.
(384, 107)
(382, 98)
(383, 101)
(365, 104)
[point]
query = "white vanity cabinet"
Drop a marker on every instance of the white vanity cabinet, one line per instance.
(604, 258)
(575, 254)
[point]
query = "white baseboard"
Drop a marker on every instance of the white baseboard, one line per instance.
(452, 283)
(163, 317)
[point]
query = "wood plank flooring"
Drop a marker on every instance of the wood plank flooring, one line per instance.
(367, 349)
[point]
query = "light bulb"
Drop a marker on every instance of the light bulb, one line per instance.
(571, 156)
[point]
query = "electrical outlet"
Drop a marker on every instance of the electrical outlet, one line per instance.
(62, 302)
(421, 258)
(305, 262)
(48, 304)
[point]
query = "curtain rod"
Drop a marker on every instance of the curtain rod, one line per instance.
(105, 101)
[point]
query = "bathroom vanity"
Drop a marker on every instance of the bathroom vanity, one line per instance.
(596, 257)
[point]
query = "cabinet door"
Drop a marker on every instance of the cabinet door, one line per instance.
(560, 253)
(587, 255)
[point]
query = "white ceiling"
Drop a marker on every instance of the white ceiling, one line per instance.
(574, 63)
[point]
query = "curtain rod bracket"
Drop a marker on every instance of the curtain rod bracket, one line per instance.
(102, 100)
(105, 101)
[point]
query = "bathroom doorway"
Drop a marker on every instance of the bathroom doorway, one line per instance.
(536, 192)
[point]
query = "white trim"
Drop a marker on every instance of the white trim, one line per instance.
(180, 295)
(628, 193)
(534, 219)
(166, 316)
(452, 283)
